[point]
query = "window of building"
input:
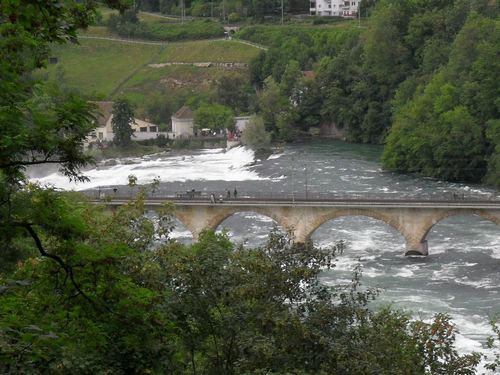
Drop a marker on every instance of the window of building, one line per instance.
(152, 129)
(143, 129)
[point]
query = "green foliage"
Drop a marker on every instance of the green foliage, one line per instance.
(255, 135)
(493, 136)
(232, 89)
(290, 77)
(447, 128)
(71, 319)
(214, 116)
(123, 117)
(302, 44)
(205, 308)
(271, 103)
(39, 123)
(387, 79)
(494, 343)
(165, 32)
(233, 17)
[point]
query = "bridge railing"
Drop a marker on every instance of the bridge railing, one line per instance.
(125, 192)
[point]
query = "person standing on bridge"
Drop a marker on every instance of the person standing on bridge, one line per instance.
(228, 194)
(235, 193)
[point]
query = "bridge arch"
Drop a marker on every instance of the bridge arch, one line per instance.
(197, 219)
(335, 214)
(464, 212)
(250, 228)
(217, 219)
(363, 236)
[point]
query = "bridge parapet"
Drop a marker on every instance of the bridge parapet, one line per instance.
(127, 192)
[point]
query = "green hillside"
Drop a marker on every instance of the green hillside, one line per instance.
(107, 69)
(208, 51)
(97, 67)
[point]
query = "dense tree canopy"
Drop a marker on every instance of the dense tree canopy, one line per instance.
(143, 307)
(447, 129)
(421, 76)
(214, 116)
(39, 124)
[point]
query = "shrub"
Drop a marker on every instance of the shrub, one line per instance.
(233, 17)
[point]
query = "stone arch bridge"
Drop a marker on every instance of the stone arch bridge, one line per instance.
(413, 219)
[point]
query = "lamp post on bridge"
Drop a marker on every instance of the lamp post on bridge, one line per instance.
(305, 172)
(293, 181)
(271, 179)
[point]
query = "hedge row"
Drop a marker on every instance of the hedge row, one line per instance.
(166, 32)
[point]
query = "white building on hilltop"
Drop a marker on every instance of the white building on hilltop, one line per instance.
(339, 8)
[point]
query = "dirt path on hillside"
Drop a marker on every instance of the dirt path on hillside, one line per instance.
(139, 41)
(135, 41)
(124, 81)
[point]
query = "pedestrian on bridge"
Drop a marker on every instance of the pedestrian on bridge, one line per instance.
(228, 194)
(235, 193)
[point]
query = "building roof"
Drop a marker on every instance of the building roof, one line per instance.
(183, 113)
(104, 111)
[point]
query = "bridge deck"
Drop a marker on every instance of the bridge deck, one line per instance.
(252, 202)
(249, 199)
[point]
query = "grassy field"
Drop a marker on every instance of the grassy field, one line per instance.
(97, 67)
(207, 51)
(105, 69)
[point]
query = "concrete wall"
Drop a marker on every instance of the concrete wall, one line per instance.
(182, 127)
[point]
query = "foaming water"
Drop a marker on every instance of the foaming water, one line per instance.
(213, 164)
(248, 228)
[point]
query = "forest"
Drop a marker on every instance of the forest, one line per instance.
(419, 77)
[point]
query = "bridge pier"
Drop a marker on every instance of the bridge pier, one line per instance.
(417, 248)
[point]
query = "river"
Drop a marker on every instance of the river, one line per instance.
(461, 276)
